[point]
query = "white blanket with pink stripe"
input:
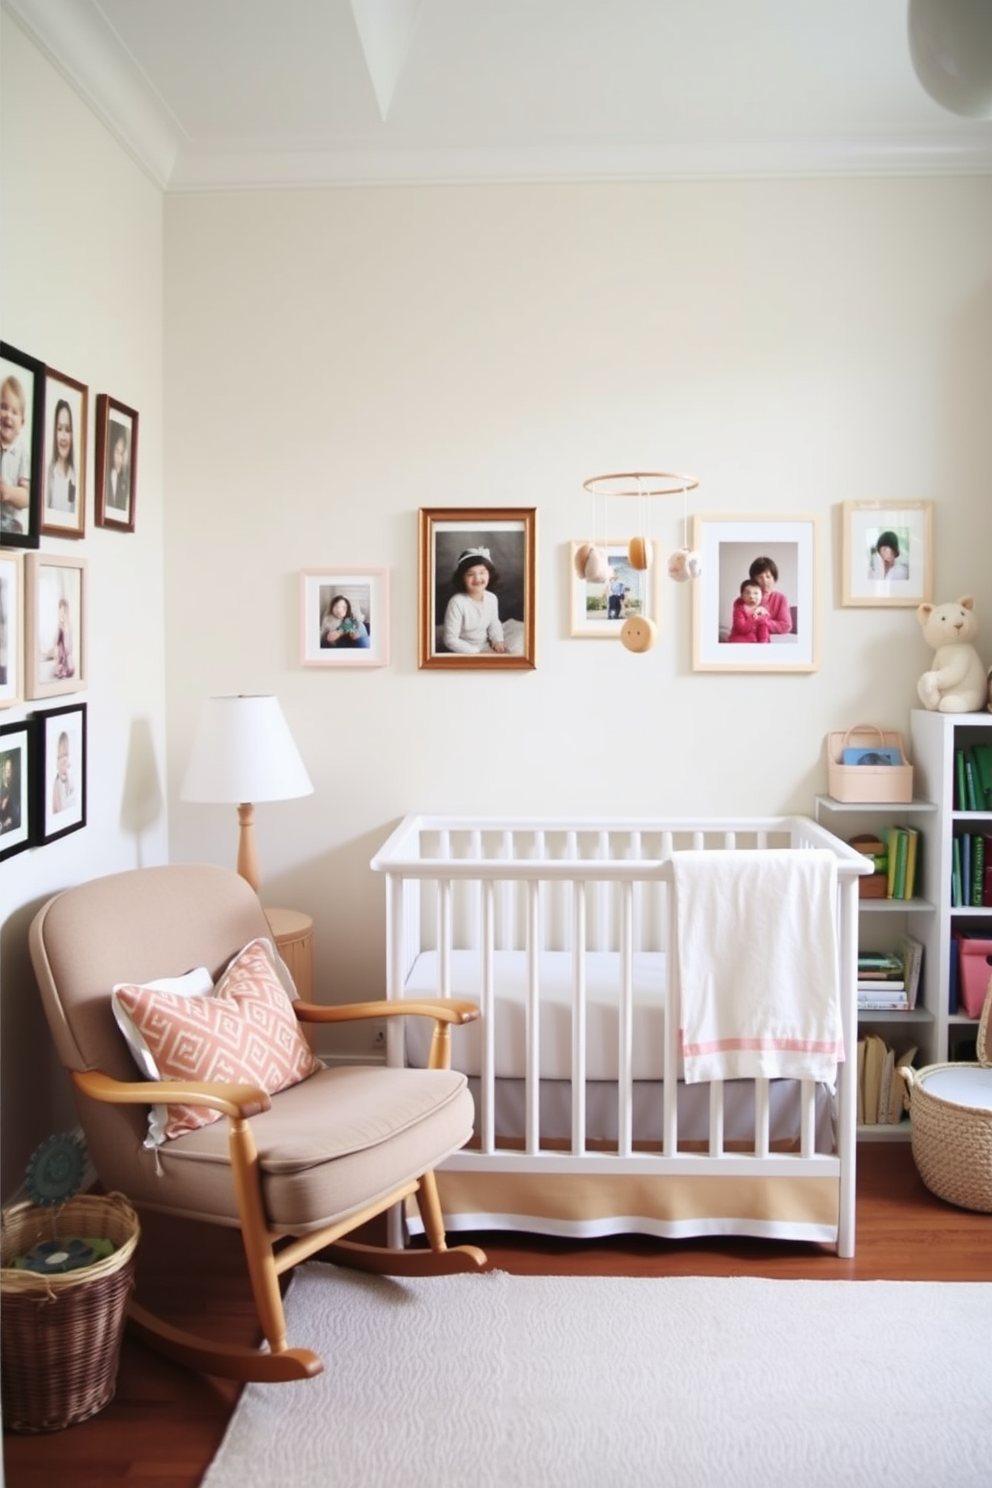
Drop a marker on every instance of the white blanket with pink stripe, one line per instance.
(757, 965)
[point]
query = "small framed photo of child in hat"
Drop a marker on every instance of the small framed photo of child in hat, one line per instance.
(478, 595)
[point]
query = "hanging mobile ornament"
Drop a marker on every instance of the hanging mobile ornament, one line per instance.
(684, 564)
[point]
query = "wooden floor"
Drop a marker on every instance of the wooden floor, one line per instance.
(164, 1425)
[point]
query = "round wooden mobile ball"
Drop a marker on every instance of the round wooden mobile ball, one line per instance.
(638, 633)
(639, 552)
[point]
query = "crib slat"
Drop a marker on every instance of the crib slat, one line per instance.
(578, 1017)
(487, 1004)
(673, 1023)
(762, 1107)
(716, 1118)
(807, 1118)
(625, 1074)
(533, 1051)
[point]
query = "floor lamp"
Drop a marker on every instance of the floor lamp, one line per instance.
(243, 752)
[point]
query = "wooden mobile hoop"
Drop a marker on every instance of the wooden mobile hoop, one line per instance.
(639, 634)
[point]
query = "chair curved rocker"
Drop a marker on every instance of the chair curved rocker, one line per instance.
(296, 1172)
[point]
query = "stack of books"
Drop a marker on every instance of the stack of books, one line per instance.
(888, 981)
(881, 1088)
(973, 778)
(903, 845)
(971, 871)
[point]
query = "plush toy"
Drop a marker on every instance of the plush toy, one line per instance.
(956, 681)
(591, 563)
(684, 564)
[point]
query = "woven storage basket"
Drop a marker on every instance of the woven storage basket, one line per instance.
(61, 1335)
(952, 1141)
(883, 784)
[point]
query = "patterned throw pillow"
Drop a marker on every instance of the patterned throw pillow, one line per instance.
(244, 1032)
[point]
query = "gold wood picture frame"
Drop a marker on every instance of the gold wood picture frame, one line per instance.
(478, 588)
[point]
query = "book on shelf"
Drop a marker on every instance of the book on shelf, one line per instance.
(881, 1084)
(966, 868)
(861, 1082)
(977, 869)
(987, 876)
(903, 851)
(970, 784)
(874, 1059)
(981, 756)
(910, 951)
(960, 788)
(956, 873)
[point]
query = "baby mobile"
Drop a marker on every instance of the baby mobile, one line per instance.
(638, 632)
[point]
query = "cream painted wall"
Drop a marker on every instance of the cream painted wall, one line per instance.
(336, 360)
(81, 288)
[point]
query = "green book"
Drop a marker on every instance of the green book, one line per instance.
(956, 900)
(970, 786)
(902, 853)
(981, 756)
(977, 869)
(960, 789)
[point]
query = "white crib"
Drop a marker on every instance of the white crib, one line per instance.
(558, 930)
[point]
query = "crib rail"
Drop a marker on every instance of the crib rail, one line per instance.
(531, 886)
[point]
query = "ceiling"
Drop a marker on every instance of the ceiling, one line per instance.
(214, 94)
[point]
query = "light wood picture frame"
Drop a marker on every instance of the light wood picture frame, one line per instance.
(344, 617)
(886, 554)
(598, 610)
(63, 497)
(732, 550)
(56, 637)
(11, 628)
(502, 541)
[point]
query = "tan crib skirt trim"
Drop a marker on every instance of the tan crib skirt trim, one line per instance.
(775, 1201)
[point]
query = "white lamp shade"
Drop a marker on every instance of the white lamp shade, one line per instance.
(244, 751)
(950, 44)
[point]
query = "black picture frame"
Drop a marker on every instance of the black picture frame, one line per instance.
(28, 373)
(60, 772)
(115, 422)
(17, 788)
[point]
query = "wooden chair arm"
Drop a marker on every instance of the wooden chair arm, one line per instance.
(441, 1009)
(236, 1101)
(444, 1010)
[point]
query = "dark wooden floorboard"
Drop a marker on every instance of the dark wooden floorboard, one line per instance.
(164, 1425)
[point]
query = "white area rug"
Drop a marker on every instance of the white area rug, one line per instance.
(535, 1382)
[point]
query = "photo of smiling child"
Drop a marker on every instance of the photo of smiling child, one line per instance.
(15, 458)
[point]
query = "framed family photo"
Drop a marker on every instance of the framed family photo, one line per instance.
(63, 507)
(600, 608)
(755, 605)
(16, 786)
(887, 553)
(11, 629)
(61, 771)
(344, 617)
(477, 588)
(55, 660)
(116, 472)
(22, 414)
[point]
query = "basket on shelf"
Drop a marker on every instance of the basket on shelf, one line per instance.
(950, 1107)
(867, 782)
(61, 1335)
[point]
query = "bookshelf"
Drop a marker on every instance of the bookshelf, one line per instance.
(935, 739)
(882, 921)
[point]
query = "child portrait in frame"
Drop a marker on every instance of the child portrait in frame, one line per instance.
(16, 785)
(344, 617)
(477, 588)
(63, 511)
(56, 628)
(62, 771)
(887, 554)
(22, 404)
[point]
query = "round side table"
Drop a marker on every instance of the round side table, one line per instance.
(292, 932)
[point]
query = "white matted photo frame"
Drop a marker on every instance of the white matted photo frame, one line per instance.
(600, 609)
(11, 629)
(63, 500)
(116, 465)
(887, 553)
(344, 617)
(477, 588)
(17, 805)
(755, 604)
(55, 600)
(60, 774)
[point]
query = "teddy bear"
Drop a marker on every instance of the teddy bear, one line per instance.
(956, 681)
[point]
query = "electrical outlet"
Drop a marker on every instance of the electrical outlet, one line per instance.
(379, 1042)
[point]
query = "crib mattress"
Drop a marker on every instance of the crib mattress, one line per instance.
(602, 971)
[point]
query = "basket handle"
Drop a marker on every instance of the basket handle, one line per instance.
(909, 1075)
(861, 728)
